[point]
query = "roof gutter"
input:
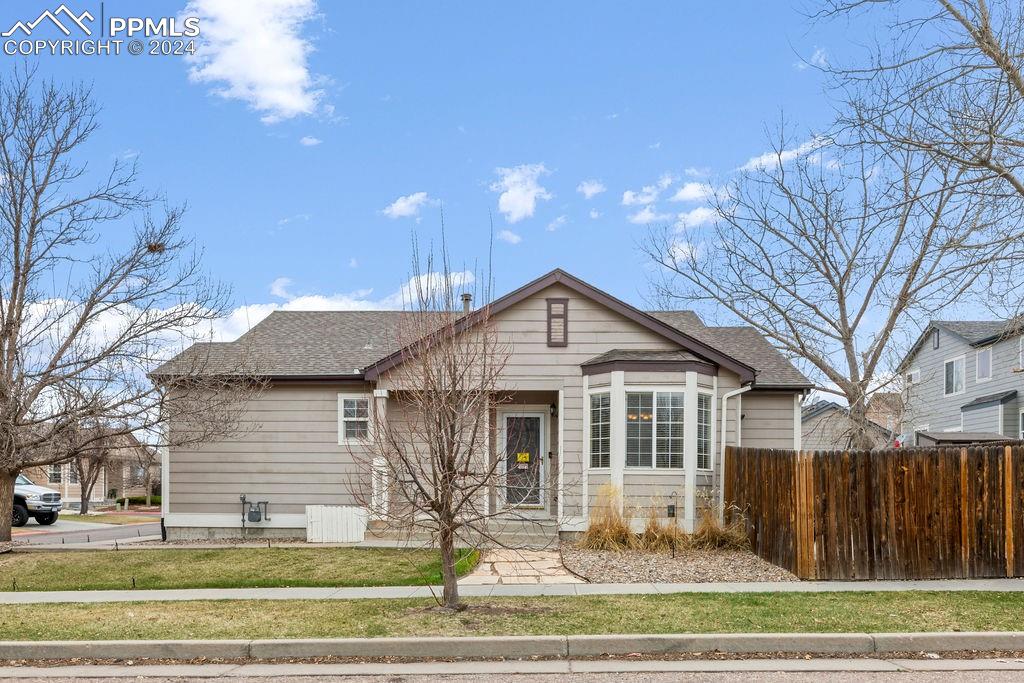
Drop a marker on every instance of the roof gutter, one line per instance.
(739, 430)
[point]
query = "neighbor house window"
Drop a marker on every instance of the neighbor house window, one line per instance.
(654, 429)
(54, 474)
(1021, 425)
(935, 339)
(984, 370)
(558, 322)
(72, 474)
(600, 430)
(353, 417)
(954, 374)
(704, 431)
(914, 376)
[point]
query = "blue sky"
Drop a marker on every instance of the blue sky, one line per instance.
(303, 123)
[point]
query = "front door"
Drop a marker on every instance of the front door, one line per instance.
(524, 470)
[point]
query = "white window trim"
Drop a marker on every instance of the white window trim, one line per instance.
(962, 358)
(696, 425)
(342, 440)
(656, 389)
(586, 427)
(991, 361)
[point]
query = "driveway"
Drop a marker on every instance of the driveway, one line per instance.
(62, 532)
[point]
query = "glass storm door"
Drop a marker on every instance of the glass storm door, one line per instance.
(523, 471)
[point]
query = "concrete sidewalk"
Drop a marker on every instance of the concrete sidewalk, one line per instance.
(505, 590)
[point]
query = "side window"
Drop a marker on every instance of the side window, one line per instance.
(353, 417)
(54, 474)
(935, 339)
(984, 369)
(558, 322)
(600, 430)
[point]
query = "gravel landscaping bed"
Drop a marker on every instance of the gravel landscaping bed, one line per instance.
(688, 566)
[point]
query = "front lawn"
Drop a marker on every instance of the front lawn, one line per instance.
(223, 568)
(682, 613)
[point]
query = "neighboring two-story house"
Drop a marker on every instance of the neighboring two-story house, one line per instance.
(643, 400)
(964, 381)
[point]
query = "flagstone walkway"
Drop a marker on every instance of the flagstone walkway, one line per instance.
(503, 567)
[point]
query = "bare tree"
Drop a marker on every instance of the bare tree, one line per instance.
(143, 462)
(833, 252)
(89, 461)
(96, 288)
(428, 464)
(946, 79)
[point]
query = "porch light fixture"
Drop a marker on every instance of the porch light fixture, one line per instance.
(554, 409)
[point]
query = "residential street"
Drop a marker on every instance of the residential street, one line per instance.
(830, 671)
(64, 532)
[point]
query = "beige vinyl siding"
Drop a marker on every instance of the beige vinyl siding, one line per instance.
(286, 451)
(768, 419)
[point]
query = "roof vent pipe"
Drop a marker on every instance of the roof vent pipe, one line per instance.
(467, 302)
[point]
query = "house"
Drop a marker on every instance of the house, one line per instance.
(594, 378)
(122, 473)
(827, 426)
(965, 376)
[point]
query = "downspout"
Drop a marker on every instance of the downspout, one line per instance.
(739, 426)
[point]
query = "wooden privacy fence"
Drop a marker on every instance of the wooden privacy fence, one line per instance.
(901, 513)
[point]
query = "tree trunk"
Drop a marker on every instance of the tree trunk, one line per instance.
(446, 541)
(83, 504)
(148, 479)
(861, 436)
(6, 504)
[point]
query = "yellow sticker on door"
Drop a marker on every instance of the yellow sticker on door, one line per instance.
(522, 457)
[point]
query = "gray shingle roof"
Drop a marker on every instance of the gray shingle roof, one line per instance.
(343, 343)
(975, 331)
(642, 355)
(1001, 397)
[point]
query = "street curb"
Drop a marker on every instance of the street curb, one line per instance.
(554, 647)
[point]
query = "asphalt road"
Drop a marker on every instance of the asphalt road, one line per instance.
(633, 677)
(81, 532)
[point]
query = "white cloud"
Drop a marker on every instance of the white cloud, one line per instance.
(648, 215)
(256, 53)
(304, 217)
(353, 263)
(407, 206)
(695, 218)
(595, 214)
(654, 145)
(772, 159)
(509, 236)
(682, 251)
(591, 188)
(520, 190)
(648, 194)
(693, 192)
(309, 141)
(243, 318)
(279, 288)
(818, 58)
(557, 223)
(694, 172)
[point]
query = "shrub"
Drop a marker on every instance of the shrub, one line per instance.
(661, 536)
(608, 528)
(711, 534)
(140, 500)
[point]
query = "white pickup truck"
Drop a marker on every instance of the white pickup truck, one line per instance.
(38, 502)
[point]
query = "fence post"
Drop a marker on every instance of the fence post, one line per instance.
(1008, 509)
(964, 535)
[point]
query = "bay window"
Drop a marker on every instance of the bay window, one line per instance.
(654, 429)
(704, 432)
(600, 430)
